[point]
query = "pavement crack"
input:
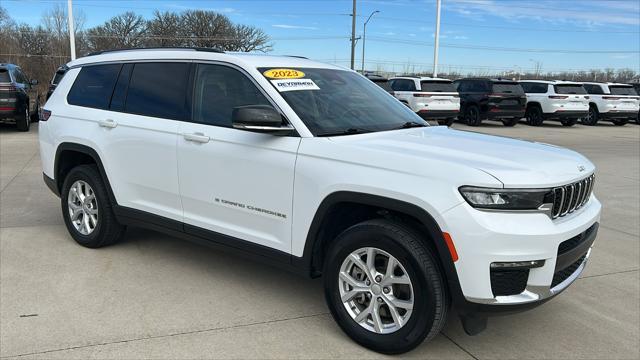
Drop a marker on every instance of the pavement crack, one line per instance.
(19, 172)
(123, 341)
(612, 273)
(458, 345)
(618, 230)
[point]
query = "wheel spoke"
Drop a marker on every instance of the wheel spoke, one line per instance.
(359, 263)
(371, 258)
(403, 304)
(397, 319)
(375, 315)
(85, 224)
(364, 314)
(396, 280)
(76, 214)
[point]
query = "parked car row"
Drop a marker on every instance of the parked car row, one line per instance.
(19, 100)
(474, 100)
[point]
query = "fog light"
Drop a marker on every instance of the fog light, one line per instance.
(518, 264)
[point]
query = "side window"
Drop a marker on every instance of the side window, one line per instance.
(461, 86)
(159, 90)
(534, 88)
(94, 85)
(219, 89)
(120, 91)
(593, 89)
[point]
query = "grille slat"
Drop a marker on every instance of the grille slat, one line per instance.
(571, 197)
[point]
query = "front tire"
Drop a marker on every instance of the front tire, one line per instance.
(592, 118)
(384, 287)
(23, 122)
(534, 116)
(87, 210)
(472, 116)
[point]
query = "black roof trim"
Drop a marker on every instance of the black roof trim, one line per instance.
(158, 48)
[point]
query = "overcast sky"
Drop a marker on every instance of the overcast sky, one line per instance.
(496, 34)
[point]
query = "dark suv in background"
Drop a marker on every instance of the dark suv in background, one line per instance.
(19, 100)
(57, 76)
(490, 99)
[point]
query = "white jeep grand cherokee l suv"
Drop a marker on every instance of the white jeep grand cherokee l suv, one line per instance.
(316, 169)
(617, 103)
(555, 100)
(431, 98)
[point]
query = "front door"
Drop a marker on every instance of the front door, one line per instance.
(234, 182)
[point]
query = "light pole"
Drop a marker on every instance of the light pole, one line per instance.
(437, 42)
(353, 35)
(72, 35)
(364, 36)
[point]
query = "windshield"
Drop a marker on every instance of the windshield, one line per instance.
(569, 89)
(339, 102)
(622, 90)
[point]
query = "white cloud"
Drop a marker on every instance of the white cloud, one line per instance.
(285, 26)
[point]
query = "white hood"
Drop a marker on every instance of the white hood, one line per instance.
(516, 163)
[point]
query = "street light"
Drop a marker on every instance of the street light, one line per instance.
(364, 36)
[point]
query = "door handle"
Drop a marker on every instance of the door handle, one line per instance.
(108, 123)
(197, 137)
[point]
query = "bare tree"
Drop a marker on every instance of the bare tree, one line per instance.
(249, 38)
(126, 30)
(165, 30)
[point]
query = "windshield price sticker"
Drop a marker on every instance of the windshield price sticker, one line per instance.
(295, 84)
(283, 74)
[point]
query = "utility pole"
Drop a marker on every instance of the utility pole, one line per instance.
(353, 34)
(437, 42)
(72, 34)
(364, 37)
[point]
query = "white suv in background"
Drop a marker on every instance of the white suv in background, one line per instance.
(431, 98)
(316, 169)
(555, 100)
(614, 102)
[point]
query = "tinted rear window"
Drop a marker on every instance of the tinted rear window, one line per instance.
(94, 85)
(534, 88)
(569, 89)
(4, 75)
(622, 90)
(509, 88)
(437, 86)
(159, 90)
(383, 83)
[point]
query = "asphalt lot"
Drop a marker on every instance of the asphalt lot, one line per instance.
(153, 296)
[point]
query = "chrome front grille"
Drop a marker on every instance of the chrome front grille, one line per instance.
(569, 198)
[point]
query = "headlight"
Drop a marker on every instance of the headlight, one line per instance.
(508, 199)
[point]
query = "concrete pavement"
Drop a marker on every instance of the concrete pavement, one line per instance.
(154, 296)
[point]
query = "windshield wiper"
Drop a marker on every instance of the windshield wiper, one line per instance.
(410, 124)
(349, 131)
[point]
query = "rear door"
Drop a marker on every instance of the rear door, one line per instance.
(508, 96)
(234, 182)
(440, 95)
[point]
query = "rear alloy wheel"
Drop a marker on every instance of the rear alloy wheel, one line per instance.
(592, 117)
(472, 116)
(620, 122)
(384, 286)
(568, 122)
(23, 122)
(510, 122)
(534, 116)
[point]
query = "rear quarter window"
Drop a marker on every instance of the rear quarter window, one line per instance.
(593, 89)
(509, 88)
(437, 86)
(622, 90)
(94, 85)
(569, 89)
(4, 76)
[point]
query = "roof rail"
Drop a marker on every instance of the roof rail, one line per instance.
(157, 48)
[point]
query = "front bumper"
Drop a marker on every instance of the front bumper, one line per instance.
(482, 238)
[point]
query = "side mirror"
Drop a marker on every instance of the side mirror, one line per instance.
(34, 82)
(261, 118)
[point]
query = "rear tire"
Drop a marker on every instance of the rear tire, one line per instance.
(568, 122)
(510, 122)
(23, 122)
(592, 118)
(35, 117)
(620, 122)
(447, 122)
(472, 116)
(416, 278)
(534, 116)
(87, 210)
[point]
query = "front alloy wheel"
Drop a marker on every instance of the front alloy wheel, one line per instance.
(376, 290)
